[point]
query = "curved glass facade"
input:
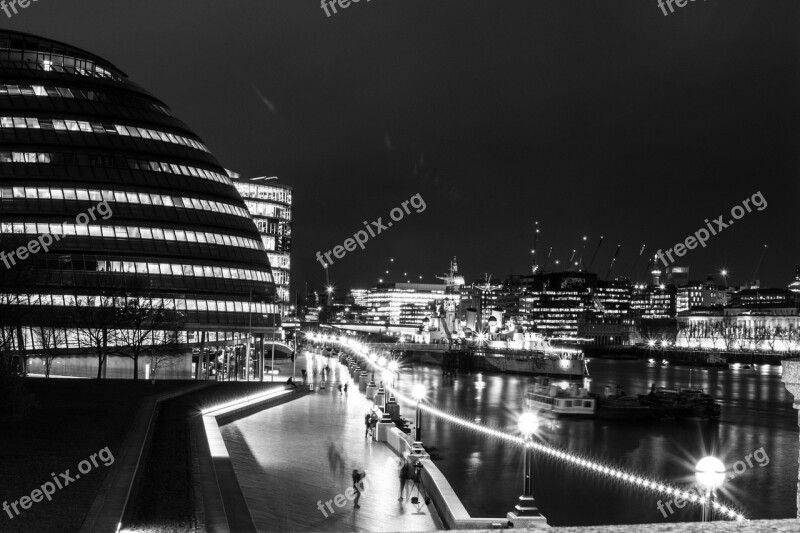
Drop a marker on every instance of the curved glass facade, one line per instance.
(75, 131)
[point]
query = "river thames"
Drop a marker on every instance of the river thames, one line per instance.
(487, 474)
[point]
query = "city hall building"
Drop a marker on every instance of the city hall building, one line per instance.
(109, 202)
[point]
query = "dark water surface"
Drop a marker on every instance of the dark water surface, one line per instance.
(487, 474)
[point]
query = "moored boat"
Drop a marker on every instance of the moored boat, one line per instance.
(690, 404)
(550, 399)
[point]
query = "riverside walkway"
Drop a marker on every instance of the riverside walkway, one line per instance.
(283, 465)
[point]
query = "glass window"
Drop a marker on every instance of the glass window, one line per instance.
(147, 233)
(82, 194)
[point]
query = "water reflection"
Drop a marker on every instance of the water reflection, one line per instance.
(486, 474)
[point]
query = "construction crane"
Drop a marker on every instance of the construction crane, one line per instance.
(580, 258)
(599, 244)
(635, 262)
(647, 268)
(758, 266)
(619, 246)
(547, 261)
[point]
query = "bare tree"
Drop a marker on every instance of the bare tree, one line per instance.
(142, 320)
(49, 339)
(15, 277)
(166, 345)
(96, 322)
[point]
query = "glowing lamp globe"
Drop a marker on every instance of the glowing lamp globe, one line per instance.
(710, 473)
(381, 361)
(418, 391)
(528, 423)
(393, 366)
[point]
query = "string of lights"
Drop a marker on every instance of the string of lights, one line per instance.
(592, 466)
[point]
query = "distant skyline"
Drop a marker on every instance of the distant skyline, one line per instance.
(592, 118)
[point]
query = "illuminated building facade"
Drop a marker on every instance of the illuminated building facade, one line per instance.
(270, 204)
(551, 304)
(700, 295)
(405, 304)
(654, 302)
(795, 285)
(77, 132)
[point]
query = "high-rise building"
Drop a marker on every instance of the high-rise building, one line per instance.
(168, 229)
(270, 204)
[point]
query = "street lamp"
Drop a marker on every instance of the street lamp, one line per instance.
(526, 511)
(710, 475)
(724, 277)
(418, 392)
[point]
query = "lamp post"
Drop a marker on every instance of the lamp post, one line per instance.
(710, 475)
(418, 392)
(526, 512)
(386, 378)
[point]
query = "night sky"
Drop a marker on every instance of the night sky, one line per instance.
(592, 117)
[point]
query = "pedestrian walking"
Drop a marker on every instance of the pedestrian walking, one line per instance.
(368, 424)
(340, 388)
(345, 388)
(404, 474)
(357, 480)
(373, 423)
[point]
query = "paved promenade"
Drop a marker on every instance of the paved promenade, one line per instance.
(281, 458)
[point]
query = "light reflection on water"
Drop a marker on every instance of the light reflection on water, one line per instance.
(487, 474)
